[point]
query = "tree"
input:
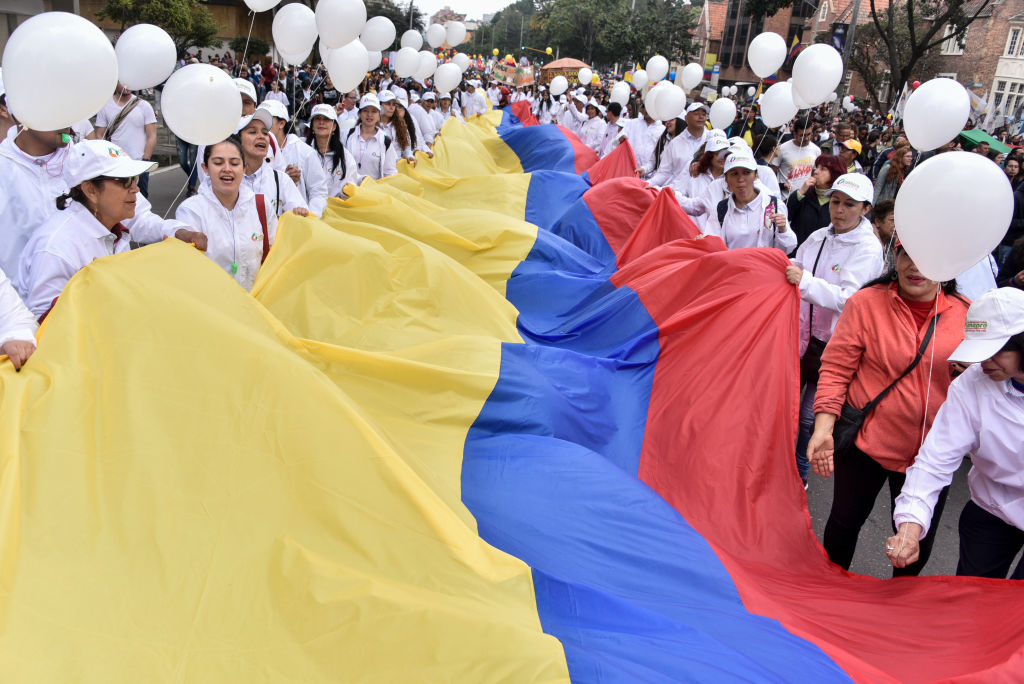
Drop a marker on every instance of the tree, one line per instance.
(256, 46)
(399, 16)
(188, 22)
(900, 35)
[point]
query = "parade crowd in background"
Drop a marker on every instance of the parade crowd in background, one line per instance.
(876, 336)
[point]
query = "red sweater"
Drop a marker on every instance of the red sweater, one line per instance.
(875, 339)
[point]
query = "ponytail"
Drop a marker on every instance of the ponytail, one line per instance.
(75, 194)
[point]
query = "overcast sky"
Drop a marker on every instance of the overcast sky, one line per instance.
(473, 9)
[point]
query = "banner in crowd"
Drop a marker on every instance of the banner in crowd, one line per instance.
(513, 75)
(491, 419)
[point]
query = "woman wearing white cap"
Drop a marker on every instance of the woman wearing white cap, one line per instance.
(240, 225)
(573, 116)
(446, 109)
(300, 161)
(830, 266)
(337, 162)
(104, 185)
(546, 107)
(592, 130)
(886, 362)
(749, 216)
(691, 186)
(983, 416)
(395, 127)
(17, 325)
(374, 151)
(260, 175)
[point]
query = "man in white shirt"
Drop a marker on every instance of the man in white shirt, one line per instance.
(678, 153)
(574, 115)
(797, 157)
(643, 133)
(424, 122)
(129, 122)
(346, 109)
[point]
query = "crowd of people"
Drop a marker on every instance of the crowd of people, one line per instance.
(879, 404)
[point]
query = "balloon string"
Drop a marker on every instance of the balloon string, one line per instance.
(931, 363)
(312, 87)
(753, 102)
(191, 171)
(251, 22)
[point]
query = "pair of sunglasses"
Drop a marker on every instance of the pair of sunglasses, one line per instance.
(126, 182)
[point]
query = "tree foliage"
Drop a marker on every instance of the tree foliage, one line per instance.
(599, 32)
(188, 22)
(896, 38)
(398, 14)
(256, 47)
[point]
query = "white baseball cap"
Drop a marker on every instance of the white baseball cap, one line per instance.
(445, 96)
(324, 110)
(429, 96)
(91, 159)
(386, 96)
(260, 114)
(717, 143)
(992, 320)
(245, 87)
(856, 185)
(739, 161)
(579, 98)
(737, 141)
(369, 100)
(277, 109)
(697, 105)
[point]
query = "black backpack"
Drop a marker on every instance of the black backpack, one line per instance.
(723, 207)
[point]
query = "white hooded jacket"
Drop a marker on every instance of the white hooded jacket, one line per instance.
(312, 185)
(234, 237)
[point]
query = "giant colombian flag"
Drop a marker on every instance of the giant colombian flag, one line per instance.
(489, 420)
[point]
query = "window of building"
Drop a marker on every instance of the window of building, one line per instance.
(1013, 42)
(1010, 94)
(823, 14)
(948, 74)
(952, 44)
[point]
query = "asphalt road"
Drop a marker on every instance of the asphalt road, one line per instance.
(167, 182)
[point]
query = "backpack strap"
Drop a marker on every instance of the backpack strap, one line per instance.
(261, 209)
(723, 209)
(119, 119)
(387, 143)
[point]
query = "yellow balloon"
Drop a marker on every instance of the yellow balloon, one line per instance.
(549, 51)
(508, 56)
(494, 52)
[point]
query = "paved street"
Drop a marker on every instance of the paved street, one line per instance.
(164, 185)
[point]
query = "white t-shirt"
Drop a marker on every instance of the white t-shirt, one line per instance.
(796, 164)
(131, 132)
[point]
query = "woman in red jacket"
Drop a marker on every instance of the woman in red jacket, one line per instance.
(876, 338)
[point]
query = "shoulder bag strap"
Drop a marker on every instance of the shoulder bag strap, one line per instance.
(261, 209)
(913, 364)
(119, 119)
(814, 274)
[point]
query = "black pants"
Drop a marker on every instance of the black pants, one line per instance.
(858, 479)
(988, 545)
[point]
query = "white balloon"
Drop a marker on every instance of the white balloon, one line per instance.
(347, 65)
(750, 91)
(671, 102)
(455, 33)
(777, 105)
(375, 57)
(693, 74)
(200, 104)
(620, 93)
(296, 59)
(435, 35)
(145, 56)
(640, 79)
(412, 39)
(339, 21)
(651, 102)
(559, 84)
(462, 60)
(797, 100)
(407, 60)
(427, 65)
(816, 72)
(833, 97)
(58, 69)
(935, 113)
(584, 76)
(259, 6)
(378, 34)
(941, 232)
(447, 77)
(723, 112)
(294, 28)
(766, 53)
(657, 68)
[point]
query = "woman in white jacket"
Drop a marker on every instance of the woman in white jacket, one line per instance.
(337, 162)
(260, 175)
(749, 216)
(374, 151)
(832, 264)
(225, 210)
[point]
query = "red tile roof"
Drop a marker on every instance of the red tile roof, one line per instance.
(717, 12)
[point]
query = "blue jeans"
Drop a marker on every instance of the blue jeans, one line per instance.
(144, 184)
(187, 160)
(804, 430)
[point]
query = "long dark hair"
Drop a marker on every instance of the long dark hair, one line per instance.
(333, 145)
(410, 125)
(665, 138)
